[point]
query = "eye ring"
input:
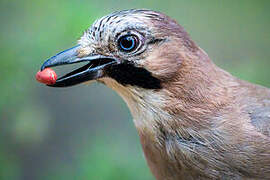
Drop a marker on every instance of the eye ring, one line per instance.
(128, 43)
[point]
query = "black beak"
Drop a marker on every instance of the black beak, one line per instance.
(93, 70)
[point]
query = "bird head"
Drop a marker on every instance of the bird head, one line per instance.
(139, 48)
(140, 54)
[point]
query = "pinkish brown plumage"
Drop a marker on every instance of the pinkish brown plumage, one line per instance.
(195, 121)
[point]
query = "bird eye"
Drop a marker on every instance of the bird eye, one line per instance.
(128, 43)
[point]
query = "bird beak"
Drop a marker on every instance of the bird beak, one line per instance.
(91, 71)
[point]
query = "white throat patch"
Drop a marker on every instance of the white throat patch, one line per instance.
(145, 104)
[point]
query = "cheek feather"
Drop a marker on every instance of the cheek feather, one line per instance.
(164, 61)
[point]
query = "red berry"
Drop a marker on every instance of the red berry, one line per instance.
(47, 76)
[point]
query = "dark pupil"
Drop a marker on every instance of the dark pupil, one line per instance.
(127, 43)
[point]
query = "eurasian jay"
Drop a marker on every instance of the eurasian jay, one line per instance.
(194, 120)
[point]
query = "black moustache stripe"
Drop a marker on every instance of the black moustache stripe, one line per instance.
(128, 74)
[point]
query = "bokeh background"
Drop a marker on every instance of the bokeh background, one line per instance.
(86, 132)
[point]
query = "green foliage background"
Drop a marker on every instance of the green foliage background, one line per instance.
(86, 132)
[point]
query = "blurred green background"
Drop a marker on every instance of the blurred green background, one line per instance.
(86, 132)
